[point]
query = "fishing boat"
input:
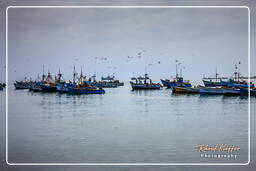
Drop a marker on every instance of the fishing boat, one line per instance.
(211, 90)
(141, 83)
(236, 80)
(62, 86)
(213, 81)
(245, 91)
(36, 87)
(178, 81)
(85, 89)
(185, 90)
(49, 84)
(23, 84)
(108, 82)
(231, 91)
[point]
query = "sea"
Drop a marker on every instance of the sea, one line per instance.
(126, 127)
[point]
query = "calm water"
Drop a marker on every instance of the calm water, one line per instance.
(123, 126)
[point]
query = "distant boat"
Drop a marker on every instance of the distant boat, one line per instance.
(85, 88)
(185, 90)
(23, 84)
(245, 91)
(178, 81)
(213, 81)
(236, 81)
(1, 87)
(36, 87)
(211, 90)
(107, 82)
(49, 85)
(141, 83)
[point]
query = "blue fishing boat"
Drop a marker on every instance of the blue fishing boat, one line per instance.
(178, 81)
(236, 80)
(36, 87)
(141, 83)
(86, 90)
(213, 81)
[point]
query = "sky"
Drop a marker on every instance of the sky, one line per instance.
(107, 41)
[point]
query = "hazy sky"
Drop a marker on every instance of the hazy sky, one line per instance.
(201, 39)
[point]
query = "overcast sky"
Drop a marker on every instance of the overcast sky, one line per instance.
(201, 39)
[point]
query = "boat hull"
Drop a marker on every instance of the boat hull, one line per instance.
(245, 91)
(185, 90)
(85, 91)
(231, 92)
(145, 86)
(211, 91)
(211, 83)
(47, 88)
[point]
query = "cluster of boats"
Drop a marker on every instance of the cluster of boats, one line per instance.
(221, 86)
(235, 85)
(79, 85)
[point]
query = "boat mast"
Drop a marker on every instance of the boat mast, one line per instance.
(74, 75)
(216, 74)
(43, 76)
(176, 61)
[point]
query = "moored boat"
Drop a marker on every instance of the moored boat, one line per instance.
(49, 85)
(178, 81)
(107, 82)
(141, 83)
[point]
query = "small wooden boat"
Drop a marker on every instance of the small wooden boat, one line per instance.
(141, 83)
(231, 91)
(185, 90)
(245, 91)
(211, 90)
